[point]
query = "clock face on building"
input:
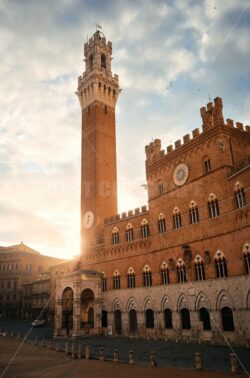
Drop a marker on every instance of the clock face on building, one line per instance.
(180, 174)
(88, 219)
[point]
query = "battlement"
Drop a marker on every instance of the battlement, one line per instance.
(126, 215)
(211, 115)
(97, 39)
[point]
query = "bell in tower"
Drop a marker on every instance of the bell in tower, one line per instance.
(98, 90)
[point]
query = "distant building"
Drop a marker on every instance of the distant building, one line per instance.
(19, 264)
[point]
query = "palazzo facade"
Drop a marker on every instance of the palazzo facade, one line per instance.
(178, 268)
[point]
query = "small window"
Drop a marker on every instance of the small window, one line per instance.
(220, 265)
(91, 62)
(246, 254)
(104, 282)
(213, 206)
(239, 195)
(131, 278)
(181, 271)
(207, 165)
(115, 236)
(105, 109)
(144, 229)
(147, 276)
(160, 188)
(177, 218)
(116, 280)
(103, 61)
(129, 233)
(199, 268)
(161, 224)
(164, 274)
(193, 213)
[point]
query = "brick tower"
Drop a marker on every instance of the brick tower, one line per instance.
(97, 91)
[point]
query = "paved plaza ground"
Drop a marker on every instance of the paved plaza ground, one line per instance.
(36, 361)
(168, 355)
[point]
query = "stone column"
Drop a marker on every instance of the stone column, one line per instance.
(141, 326)
(97, 315)
(111, 321)
(76, 316)
(159, 324)
(195, 325)
(58, 317)
(125, 323)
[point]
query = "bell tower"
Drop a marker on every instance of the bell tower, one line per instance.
(98, 90)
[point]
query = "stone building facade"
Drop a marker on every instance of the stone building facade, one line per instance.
(19, 265)
(180, 267)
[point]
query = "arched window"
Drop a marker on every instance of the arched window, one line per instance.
(129, 233)
(103, 61)
(177, 218)
(104, 319)
(104, 282)
(131, 278)
(181, 270)
(213, 206)
(168, 318)
(91, 59)
(164, 273)
(185, 319)
(193, 213)
(116, 280)
(205, 319)
(144, 229)
(161, 224)
(246, 254)
(207, 165)
(227, 319)
(160, 188)
(220, 264)
(150, 318)
(199, 268)
(239, 195)
(115, 236)
(147, 276)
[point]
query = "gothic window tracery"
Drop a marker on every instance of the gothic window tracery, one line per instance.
(193, 212)
(147, 276)
(144, 229)
(115, 236)
(246, 254)
(161, 224)
(213, 206)
(199, 268)
(164, 274)
(181, 270)
(239, 195)
(177, 218)
(131, 278)
(129, 233)
(220, 264)
(116, 280)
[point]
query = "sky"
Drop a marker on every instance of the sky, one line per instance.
(172, 57)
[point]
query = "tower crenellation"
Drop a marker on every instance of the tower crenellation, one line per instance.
(97, 82)
(212, 117)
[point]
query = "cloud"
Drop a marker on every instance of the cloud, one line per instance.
(170, 57)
